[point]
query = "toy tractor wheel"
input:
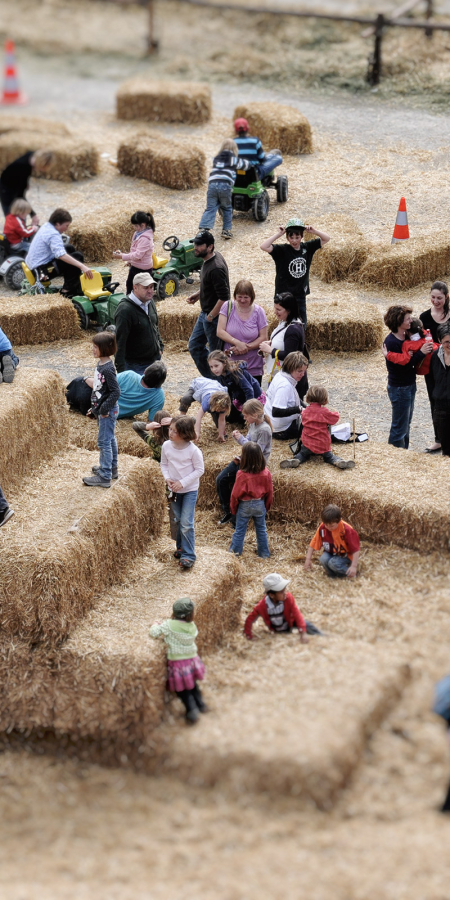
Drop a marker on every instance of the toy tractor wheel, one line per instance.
(85, 320)
(260, 207)
(282, 188)
(171, 242)
(168, 286)
(15, 276)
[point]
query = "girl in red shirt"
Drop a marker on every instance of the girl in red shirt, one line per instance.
(251, 498)
(16, 230)
(316, 438)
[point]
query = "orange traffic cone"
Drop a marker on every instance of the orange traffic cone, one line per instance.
(401, 230)
(11, 94)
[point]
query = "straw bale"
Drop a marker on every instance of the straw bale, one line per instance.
(303, 741)
(402, 266)
(98, 236)
(35, 124)
(82, 432)
(176, 318)
(67, 541)
(174, 164)
(38, 319)
(283, 127)
(344, 325)
(108, 679)
(33, 423)
(364, 493)
(74, 158)
(164, 101)
(344, 255)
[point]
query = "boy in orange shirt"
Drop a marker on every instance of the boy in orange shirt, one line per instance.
(340, 543)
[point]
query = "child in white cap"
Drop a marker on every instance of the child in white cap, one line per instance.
(277, 608)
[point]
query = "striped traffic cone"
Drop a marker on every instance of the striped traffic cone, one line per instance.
(401, 230)
(11, 94)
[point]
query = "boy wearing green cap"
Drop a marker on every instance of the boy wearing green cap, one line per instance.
(293, 260)
(184, 666)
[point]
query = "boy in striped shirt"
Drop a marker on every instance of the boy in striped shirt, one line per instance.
(220, 186)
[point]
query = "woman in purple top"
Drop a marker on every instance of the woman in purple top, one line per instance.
(242, 326)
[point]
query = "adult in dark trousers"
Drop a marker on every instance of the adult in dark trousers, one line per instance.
(214, 292)
(293, 260)
(440, 388)
(15, 178)
(48, 247)
(139, 342)
(5, 510)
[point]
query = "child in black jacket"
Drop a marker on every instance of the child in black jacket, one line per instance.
(233, 375)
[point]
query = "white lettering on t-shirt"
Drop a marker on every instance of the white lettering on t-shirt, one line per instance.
(297, 267)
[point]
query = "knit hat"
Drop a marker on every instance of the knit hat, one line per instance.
(275, 582)
(183, 608)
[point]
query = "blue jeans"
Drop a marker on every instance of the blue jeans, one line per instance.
(256, 510)
(107, 443)
(272, 160)
(183, 508)
(335, 566)
(218, 197)
(204, 334)
(402, 402)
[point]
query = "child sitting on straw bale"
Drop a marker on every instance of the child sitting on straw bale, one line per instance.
(235, 377)
(278, 609)
(220, 186)
(315, 436)
(340, 543)
(105, 396)
(8, 359)
(213, 399)
(417, 338)
(184, 666)
(16, 230)
(155, 433)
(260, 432)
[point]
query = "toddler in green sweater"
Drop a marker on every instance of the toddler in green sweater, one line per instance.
(184, 666)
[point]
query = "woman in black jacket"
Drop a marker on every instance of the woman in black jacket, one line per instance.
(287, 337)
(432, 319)
(440, 388)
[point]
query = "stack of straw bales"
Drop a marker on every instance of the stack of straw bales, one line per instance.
(108, 679)
(344, 325)
(37, 319)
(316, 743)
(43, 127)
(33, 424)
(174, 164)
(344, 255)
(164, 101)
(176, 319)
(407, 264)
(74, 158)
(61, 548)
(83, 433)
(280, 127)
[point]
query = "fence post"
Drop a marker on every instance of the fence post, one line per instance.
(152, 43)
(429, 15)
(375, 62)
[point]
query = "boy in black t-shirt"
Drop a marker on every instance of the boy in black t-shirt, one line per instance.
(293, 260)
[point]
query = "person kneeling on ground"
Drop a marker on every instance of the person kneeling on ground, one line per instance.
(213, 399)
(278, 610)
(8, 359)
(48, 247)
(315, 437)
(340, 543)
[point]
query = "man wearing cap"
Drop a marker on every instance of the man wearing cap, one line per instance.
(293, 260)
(139, 342)
(251, 149)
(214, 291)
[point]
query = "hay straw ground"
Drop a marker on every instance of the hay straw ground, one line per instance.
(167, 162)
(67, 541)
(33, 320)
(164, 101)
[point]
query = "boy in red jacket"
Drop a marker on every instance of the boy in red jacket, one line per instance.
(277, 608)
(316, 438)
(340, 543)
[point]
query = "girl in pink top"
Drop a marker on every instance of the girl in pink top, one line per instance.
(140, 257)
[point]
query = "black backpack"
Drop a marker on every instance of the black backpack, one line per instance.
(78, 395)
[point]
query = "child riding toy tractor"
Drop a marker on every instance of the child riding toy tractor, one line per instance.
(250, 193)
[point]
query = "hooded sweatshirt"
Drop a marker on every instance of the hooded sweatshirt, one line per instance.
(141, 250)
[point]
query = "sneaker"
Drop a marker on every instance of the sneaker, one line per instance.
(177, 554)
(139, 428)
(228, 517)
(96, 470)
(344, 464)
(96, 481)
(227, 235)
(8, 369)
(192, 716)
(290, 463)
(5, 515)
(186, 563)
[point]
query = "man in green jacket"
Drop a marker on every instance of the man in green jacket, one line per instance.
(139, 342)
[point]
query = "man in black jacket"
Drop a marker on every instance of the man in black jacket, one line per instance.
(139, 342)
(214, 291)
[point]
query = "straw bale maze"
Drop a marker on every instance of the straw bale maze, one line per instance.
(84, 573)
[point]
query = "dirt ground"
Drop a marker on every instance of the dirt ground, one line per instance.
(71, 829)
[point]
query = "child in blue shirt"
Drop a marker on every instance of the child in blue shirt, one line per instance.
(8, 359)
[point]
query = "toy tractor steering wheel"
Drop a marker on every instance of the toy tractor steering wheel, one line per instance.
(171, 242)
(111, 286)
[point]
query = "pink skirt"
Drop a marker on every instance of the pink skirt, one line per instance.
(183, 673)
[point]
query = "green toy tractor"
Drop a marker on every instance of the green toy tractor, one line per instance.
(249, 193)
(98, 302)
(181, 264)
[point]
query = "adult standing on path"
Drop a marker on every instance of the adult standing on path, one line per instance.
(243, 325)
(432, 319)
(214, 292)
(15, 177)
(293, 260)
(401, 386)
(139, 342)
(440, 388)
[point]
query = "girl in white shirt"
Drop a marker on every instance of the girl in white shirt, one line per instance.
(182, 465)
